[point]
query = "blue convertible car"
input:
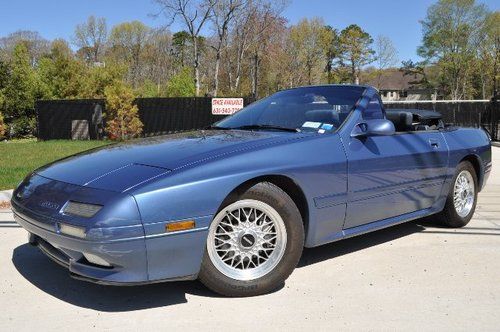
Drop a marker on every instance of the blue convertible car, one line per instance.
(234, 204)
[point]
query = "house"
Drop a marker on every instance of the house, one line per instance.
(394, 86)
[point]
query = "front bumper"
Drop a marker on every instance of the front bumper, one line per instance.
(127, 257)
(114, 246)
(60, 258)
(134, 261)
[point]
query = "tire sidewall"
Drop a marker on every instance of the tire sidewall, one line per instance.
(283, 204)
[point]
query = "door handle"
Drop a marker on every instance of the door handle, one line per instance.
(434, 143)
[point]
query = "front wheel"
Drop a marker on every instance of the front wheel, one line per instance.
(254, 243)
(461, 201)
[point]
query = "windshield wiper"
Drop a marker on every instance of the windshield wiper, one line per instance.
(264, 126)
(213, 127)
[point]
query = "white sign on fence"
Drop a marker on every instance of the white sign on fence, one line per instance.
(226, 106)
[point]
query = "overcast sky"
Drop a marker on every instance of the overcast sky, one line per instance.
(397, 19)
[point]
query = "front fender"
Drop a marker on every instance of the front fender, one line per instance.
(316, 163)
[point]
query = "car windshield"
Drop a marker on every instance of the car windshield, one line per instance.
(318, 109)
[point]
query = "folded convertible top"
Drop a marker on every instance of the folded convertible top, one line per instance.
(419, 115)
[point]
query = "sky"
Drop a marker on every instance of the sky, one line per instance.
(396, 19)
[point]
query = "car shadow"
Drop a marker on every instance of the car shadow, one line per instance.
(54, 280)
(347, 246)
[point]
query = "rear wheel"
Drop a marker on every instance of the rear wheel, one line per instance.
(254, 243)
(461, 201)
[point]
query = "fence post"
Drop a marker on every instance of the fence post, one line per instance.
(494, 116)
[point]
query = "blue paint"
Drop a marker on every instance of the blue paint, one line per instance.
(353, 184)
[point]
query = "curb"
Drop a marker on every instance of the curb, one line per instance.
(497, 144)
(6, 195)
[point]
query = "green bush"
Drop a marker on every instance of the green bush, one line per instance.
(2, 127)
(22, 127)
(122, 116)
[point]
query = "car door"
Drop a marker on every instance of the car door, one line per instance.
(392, 175)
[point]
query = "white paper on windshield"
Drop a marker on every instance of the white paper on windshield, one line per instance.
(311, 124)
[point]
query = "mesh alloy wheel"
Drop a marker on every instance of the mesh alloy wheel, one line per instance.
(247, 240)
(463, 193)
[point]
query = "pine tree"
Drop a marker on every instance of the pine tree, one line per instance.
(122, 116)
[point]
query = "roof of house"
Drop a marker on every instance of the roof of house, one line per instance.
(393, 79)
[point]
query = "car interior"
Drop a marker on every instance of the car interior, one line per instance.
(406, 120)
(293, 115)
(326, 116)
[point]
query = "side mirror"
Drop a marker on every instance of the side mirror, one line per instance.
(375, 127)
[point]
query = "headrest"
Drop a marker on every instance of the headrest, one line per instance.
(402, 119)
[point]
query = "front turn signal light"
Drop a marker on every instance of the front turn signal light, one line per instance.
(180, 226)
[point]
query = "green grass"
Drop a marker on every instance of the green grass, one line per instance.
(19, 157)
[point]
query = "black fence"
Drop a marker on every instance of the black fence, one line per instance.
(56, 117)
(66, 119)
(485, 114)
(168, 115)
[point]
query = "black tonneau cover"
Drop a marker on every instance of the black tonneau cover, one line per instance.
(420, 115)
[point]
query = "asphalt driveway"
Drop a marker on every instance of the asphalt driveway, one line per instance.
(414, 276)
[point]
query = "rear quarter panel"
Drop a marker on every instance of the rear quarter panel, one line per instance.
(467, 142)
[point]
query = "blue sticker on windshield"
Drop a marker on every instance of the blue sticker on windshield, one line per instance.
(327, 126)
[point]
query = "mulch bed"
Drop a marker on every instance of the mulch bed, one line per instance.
(4, 205)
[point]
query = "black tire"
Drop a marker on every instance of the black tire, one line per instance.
(449, 216)
(272, 195)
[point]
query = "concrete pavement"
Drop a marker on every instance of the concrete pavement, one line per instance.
(414, 277)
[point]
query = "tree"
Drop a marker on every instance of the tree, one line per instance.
(149, 89)
(4, 71)
(356, 50)
(4, 76)
(2, 124)
(90, 37)
(20, 92)
(180, 44)
(128, 41)
(386, 56)
(223, 13)
(35, 44)
(60, 73)
(122, 116)
(181, 84)
(308, 37)
(158, 63)
(331, 48)
(489, 56)
(418, 71)
(97, 78)
(265, 24)
(193, 15)
(452, 32)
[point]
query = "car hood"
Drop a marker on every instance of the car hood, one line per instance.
(119, 167)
